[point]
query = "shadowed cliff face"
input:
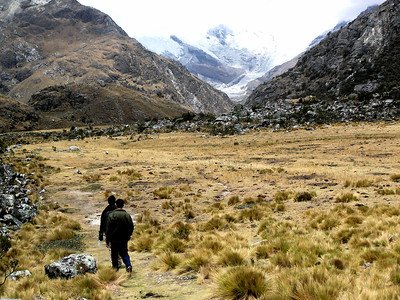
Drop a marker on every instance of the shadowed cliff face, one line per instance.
(359, 61)
(63, 43)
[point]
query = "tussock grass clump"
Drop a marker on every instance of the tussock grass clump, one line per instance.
(92, 178)
(132, 174)
(262, 252)
(395, 177)
(107, 274)
(304, 196)
(242, 282)
(212, 244)
(174, 245)
(181, 230)
(346, 198)
(252, 214)
(168, 205)
(231, 258)
(353, 220)
(281, 259)
(395, 275)
(215, 223)
(362, 183)
(344, 235)
(61, 234)
(143, 243)
(281, 196)
(87, 285)
(114, 178)
(189, 214)
(338, 264)
(196, 261)
(317, 284)
(93, 187)
(147, 219)
(169, 260)
(325, 222)
(387, 192)
(233, 200)
(164, 192)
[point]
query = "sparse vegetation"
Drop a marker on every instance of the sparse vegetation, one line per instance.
(217, 220)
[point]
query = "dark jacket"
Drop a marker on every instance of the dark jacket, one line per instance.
(103, 218)
(119, 226)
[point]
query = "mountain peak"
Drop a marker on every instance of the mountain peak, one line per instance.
(221, 32)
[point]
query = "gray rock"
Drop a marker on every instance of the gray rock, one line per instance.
(19, 274)
(71, 266)
(74, 148)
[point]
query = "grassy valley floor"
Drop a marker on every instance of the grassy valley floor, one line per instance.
(301, 214)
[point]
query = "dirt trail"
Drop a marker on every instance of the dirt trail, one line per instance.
(144, 283)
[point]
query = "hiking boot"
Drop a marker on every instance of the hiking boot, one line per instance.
(129, 269)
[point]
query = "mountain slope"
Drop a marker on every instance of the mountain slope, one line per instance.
(63, 43)
(16, 116)
(360, 60)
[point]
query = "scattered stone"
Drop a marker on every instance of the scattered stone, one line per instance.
(15, 206)
(19, 274)
(71, 266)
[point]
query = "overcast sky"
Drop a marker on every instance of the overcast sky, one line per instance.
(293, 23)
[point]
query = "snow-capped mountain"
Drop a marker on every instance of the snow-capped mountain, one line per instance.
(221, 57)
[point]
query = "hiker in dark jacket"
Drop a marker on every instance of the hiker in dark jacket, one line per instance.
(110, 207)
(119, 228)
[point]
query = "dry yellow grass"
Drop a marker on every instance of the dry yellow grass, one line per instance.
(309, 249)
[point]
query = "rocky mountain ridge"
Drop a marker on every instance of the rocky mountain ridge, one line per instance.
(62, 45)
(360, 61)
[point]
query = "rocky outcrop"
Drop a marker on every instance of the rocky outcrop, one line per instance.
(15, 206)
(61, 43)
(71, 266)
(360, 60)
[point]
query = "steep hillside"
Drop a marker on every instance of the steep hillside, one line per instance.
(62, 43)
(360, 61)
(16, 116)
